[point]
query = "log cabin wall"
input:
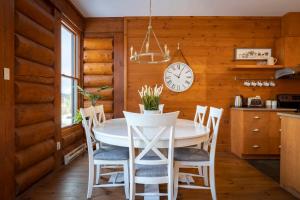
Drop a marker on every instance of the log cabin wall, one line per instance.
(208, 44)
(98, 71)
(37, 93)
(103, 62)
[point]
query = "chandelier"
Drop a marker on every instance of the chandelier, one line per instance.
(148, 55)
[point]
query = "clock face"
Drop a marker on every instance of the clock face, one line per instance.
(178, 77)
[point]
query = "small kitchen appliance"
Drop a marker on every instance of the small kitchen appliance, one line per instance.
(238, 101)
(289, 101)
(255, 102)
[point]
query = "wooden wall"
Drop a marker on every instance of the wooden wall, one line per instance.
(37, 88)
(208, 44)
(7, 136)
(98, 70)
(103, 62)
(34, 92)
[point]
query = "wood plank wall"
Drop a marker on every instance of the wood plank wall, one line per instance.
(7, 136)
(103, 62)
(208, 44)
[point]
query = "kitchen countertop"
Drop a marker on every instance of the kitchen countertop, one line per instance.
(294, 115)
(266, 109)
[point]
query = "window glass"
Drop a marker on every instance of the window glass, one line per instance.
(69, 79)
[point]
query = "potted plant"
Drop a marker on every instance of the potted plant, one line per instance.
(150, 98)
(93, 98)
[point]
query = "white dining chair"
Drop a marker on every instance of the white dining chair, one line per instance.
(205, 157)
(200, 115)
(99, 115)
(157, 168)
(108, 156)
(98, 119)
(160, 108)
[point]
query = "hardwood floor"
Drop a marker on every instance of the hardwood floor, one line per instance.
(235, 179)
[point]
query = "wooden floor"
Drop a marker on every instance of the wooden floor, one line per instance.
(235, 179)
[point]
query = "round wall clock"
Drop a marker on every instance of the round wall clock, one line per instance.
(178, 77)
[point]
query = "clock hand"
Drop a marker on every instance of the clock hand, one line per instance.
(176, 75)
(181, 72)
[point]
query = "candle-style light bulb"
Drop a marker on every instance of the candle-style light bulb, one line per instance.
(166, 48)
(131, 51)
(147, 47)
(135, 55)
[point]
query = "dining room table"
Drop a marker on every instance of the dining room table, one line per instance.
(187, 133)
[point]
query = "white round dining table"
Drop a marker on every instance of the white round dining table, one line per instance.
(187, 133)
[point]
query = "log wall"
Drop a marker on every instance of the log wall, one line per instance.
(98, 70)
(34, 92)
(208, 44)
(104, 62)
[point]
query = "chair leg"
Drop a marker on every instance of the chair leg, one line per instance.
(170, 188)
(132, 186)
(176, 177)
(98, 170)
(212, 182)
(91, 180)
(205, 174)
(126, 180)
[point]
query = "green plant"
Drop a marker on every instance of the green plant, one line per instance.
(92, 97)
(150, 97)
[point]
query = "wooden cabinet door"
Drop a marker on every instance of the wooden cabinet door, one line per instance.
(291, 51)
(290, 157)
(274, 133)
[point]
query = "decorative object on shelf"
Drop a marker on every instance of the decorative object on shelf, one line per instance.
(252, 53)
(259, 83)
(150, 98)
(178, 76)
(148, 55)
(93, 98)
(272, 61)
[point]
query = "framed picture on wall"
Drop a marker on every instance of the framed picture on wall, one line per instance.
(252, 53)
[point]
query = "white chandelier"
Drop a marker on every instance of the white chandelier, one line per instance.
(147, 55)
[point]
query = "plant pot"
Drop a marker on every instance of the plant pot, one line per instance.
(147, 112)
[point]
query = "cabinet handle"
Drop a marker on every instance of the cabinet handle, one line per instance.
(279, 147)
(256, 117)
(280, 130)
(255, 130)
(255, 146)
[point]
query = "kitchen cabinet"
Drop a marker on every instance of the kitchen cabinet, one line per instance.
(290, 157)
(255, 133)
(288, 46)
(289, 51)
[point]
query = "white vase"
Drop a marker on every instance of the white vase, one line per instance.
(151, 112)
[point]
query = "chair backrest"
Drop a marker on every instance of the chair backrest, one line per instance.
(160, 108)
(87, 121)
(99, 115)
(213, 123)
(149, 129)
(200, 114)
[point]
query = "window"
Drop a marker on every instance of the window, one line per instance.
(69, 75)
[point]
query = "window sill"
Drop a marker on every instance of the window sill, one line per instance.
(70, 128)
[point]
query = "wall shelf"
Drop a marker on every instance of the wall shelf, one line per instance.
(273, 67)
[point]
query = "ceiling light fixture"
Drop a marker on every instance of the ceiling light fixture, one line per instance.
(150, 54)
